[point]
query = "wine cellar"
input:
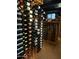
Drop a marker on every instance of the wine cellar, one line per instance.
(33, 28)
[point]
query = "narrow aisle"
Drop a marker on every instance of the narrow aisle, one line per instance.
(50, 51)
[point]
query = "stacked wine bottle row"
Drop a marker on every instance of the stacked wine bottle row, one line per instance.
(20, 43)
(38, 26)
(29, 27)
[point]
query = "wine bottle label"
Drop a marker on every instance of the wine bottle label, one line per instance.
(20, 52)
(20, 48)
(24, 15)
(31, 11)
(26, 49)
(25, 24)
(25, 29)
(20, 44)
(36, 24)
(36, 27)
(30, 27)
(26, 41)
(31, 16)
(17, 8)
(19, 13)
(36, 40)
(30, 42)
(22, 11)
(30, 39)
(20, 34)
(25, 33)
(30, 35)
(36, 11)
(30, 31)
(23, 40)
(25, 37)
(19, 39)
(41, 35)
(19, 24)
(18, 3)
(43, 18)
(41, 28)
(28, 8)
(36, 20)
(28, 4)
(41, 40)
(19, 29)
(31, 20)
(21, 6)
(39, 7)
(41, 15)
(38, 32)
(30, 23)
(19, 18)
(43, 12)
(25, 20)
(36, 44)
(26, 45)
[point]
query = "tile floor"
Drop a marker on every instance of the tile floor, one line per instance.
(50, 50)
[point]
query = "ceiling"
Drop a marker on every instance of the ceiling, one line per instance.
(51, 5)
(52, 1)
